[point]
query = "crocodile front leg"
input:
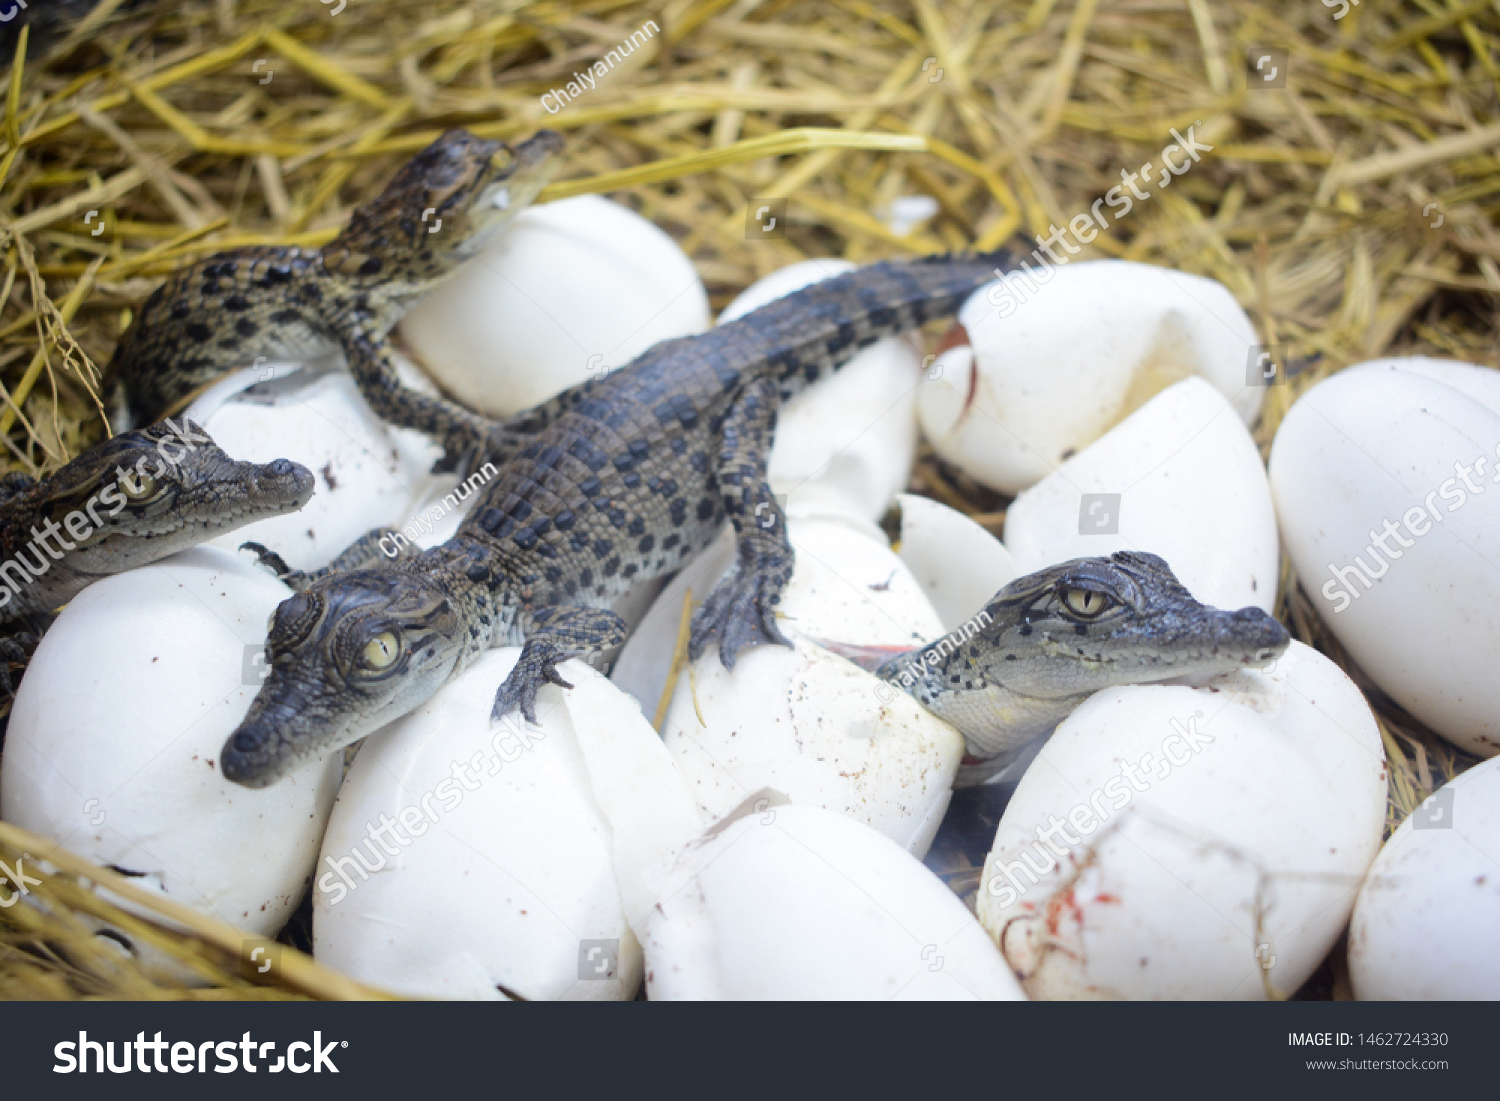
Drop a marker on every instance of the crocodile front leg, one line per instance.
(741, 607)
(369, 551)
(553, 635)
(467, 437)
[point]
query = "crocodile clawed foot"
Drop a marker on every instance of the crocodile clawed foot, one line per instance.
(296, 579)
(537, 666)
(741, 611)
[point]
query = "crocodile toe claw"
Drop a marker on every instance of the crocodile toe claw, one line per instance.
(741, 611)
(518, 693)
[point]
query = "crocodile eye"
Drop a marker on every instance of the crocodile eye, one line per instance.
(137, 486)
(1085, 603)
(381, 650)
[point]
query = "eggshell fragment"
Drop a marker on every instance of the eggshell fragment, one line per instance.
(791, 902)
(810, 724)
(959, 564)
(1205, 843)
(1180, 478)
(466, 859)
(850, 438)
(570, 290)
(1387, 486)
(115, 735)
(367, 471)
(1051, 364)
(1427, 923)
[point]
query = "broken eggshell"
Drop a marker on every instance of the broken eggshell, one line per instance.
(811, 724)
(1190, 843)
(1042, 371)
(469, 859)
(1427, 923)
(570, 290)
(115, 735)
(852, 437)
(794, 902)
(367, 472)
(1387, 485)
(1180, 478)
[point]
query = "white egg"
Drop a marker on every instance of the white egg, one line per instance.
(959, 564)
(1427, 922)
(466, 859)
(368, 472)
(1180, 478)
(115, 736)
(1221, 833)
(852, 437)
(792, 902)
(1045, 370)
(1387, 486)
(810, 724)
(568, 291)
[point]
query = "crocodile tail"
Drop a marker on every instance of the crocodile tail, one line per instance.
(814, 331)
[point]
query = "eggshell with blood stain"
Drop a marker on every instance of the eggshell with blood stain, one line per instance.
(466, 859)
(570, 290)
(1427, 923)
(1387, 485)
(368, 472)
(116, 730)
(1180, 478)
(1196, 843)
(794, 902)
(808, 723)
(1049, 365)
(850, 437)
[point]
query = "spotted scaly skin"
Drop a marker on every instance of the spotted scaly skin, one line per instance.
(132, 500)
(1048, 641)
(625, 478)
(300, 304)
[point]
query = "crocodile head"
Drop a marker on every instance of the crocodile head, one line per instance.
(441, 208)
(137, 498)
(1050, 639)
(344, 657)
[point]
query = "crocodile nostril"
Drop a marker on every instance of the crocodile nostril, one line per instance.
(248, 740)
(281, 467)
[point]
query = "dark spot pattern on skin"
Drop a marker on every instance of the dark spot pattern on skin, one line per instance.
(706, 509)
(646, 544)
(637, 526)
(198, 331)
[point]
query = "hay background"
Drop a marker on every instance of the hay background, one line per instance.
(1314, 207)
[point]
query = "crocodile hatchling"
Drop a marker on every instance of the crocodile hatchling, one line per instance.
(632, 475)
(130, 501)
(300, 304)
(1048, 641)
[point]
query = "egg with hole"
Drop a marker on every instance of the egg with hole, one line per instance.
(1052, 356)
(115, 735)
(1190, 843)
(571, 290)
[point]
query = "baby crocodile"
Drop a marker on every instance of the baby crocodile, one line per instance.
(1048, 641)
(627, 477)
(299, 304)
(130, 501)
